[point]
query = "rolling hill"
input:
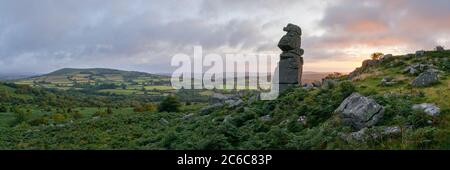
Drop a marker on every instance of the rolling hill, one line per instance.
(102, 80)
(70, 76)
(115, 81)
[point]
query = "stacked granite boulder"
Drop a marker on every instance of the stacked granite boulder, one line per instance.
(290, 67)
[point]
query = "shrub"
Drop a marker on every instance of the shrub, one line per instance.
(138, 108)
(397, 108)
(39, 121)
(77, 114)
(58, 117)
(109, 111)
(3, 108)
(169, 104)
(99, 112)
(445, 65)
(417, 119)
(20, 116)
(150, 107)
(345, 89)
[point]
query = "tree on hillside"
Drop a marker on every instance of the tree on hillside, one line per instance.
(169, 104)
(20, 115)
(376, 56)
(109, 111)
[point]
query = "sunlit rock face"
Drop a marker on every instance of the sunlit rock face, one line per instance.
(290, 67)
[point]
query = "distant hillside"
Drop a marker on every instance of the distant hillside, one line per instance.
(101, 80)
(99, 73)
(68, 77)
(7, 77)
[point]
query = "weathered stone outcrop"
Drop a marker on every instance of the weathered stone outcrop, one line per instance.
(440, 48)
(290, 67)
(387, 81)
(359, 111)
(417, 68)
(420, 53)
(365, 65)
(367, 134)
(426, 78)
(427, 108)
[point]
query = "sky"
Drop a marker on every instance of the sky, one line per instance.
(39, 36)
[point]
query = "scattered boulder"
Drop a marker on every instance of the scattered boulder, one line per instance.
(410, 70)
(308, 86)
(440, 48)
(360, 111)
(420, 53)
(391, 130)
(408, 56)
(386, 57)
(266, 118)
(360, 135)
(368, 63)
(210, 109)
(227, 119)
(417, 68)
(427, 108)
(366, 134)
(219, 97)
(354, 73)
(163, 121)
(302, 120)
(188, 116)
(425, 79)
(234, 103)
(387, 81)
(317, 83)
(359, 70)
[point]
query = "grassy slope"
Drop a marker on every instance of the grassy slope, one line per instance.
(243, 128)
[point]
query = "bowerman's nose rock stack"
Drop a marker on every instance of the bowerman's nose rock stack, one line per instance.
(291, 61)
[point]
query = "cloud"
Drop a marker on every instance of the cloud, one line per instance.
(41, 36)
(118, 33)
(415, 24)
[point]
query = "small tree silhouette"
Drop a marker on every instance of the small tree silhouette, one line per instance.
(376, 56)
